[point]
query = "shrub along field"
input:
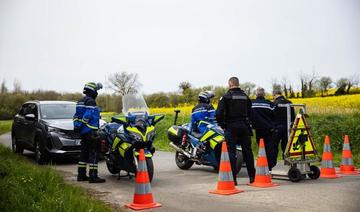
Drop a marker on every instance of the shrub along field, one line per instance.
(28, 187)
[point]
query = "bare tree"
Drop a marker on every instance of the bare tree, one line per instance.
(183, 86)
(284, 83)
(17, 86)
(275, 85)
(324, 84)
(291, 91)
(352, 81)
(308, 82)
(311, 83)
(3, 88)
(341, 86)
(303, 81)
(248, 87)
(124, 83)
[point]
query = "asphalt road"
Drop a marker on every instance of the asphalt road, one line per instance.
(180, 190)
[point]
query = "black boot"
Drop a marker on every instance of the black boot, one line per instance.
(94, 178)
(82, 174)
(251, 179)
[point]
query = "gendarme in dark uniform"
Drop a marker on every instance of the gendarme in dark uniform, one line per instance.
(233, 115)
(280, 114)
(262, 120)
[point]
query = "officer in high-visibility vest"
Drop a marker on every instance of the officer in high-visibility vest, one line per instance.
(86, 122)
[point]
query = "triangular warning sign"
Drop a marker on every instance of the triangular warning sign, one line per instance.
(300, 139)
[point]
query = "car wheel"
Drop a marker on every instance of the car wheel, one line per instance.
(16, 148)
(41, 157)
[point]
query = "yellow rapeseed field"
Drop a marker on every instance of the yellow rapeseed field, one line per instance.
(318, 105)
(332, 105)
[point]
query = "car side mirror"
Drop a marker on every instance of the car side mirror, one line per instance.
(30, 117)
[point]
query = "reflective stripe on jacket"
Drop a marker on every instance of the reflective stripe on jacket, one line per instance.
(87, 115)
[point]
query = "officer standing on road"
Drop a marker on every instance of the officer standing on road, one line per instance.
(86, 122)
(233, 115)
(203, 113)
(262, 119)
(281, 121)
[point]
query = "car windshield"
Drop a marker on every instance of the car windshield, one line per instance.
(57, 111)
(134, 104)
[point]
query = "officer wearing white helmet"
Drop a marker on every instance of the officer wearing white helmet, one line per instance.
(86, 122)
(203, 113)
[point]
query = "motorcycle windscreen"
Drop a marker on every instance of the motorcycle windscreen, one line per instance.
(134, 103)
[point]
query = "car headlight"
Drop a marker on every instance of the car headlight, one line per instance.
(136, 136)
(53, 129)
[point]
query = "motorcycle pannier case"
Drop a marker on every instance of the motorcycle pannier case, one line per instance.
(175, 134)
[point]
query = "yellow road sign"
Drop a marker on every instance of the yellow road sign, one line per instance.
(300, 138)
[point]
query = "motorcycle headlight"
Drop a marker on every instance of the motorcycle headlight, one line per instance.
(151, 135)
(136, 136)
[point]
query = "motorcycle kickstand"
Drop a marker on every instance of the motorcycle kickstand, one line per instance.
(127, 175)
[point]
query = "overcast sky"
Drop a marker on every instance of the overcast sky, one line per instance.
(61, 44)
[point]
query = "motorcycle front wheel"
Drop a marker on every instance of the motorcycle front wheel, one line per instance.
(111, 165)
(150, 168)
(182, 161)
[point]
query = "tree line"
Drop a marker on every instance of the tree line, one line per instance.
(123, 83)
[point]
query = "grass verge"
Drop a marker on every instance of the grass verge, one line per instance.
(27, 187)
(5, 126)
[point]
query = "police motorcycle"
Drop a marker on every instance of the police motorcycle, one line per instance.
(126, 134)
(202, 149)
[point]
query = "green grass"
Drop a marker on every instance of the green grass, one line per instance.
(28, 187)
(5, 126)
(336, 126)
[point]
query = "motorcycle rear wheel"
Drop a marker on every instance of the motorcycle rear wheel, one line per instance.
(182, 161)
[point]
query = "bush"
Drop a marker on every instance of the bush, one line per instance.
(336, 126)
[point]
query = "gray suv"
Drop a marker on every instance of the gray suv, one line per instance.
(46, 128)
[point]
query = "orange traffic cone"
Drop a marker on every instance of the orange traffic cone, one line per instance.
(327, 164)
(226, 185)
(347, 166)
(143, 198)
(262, 177)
